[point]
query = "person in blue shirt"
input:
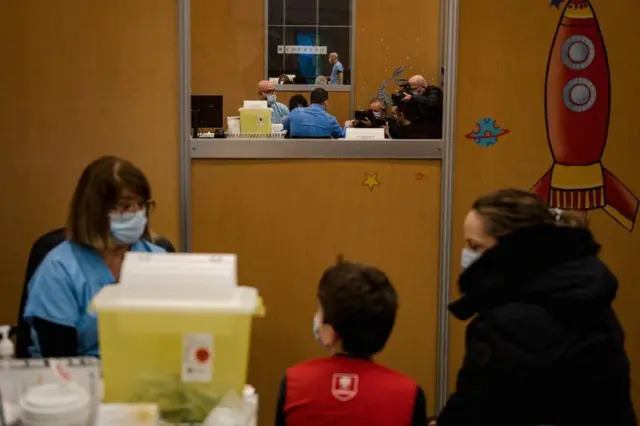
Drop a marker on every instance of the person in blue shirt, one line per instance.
(267, 91)
(313, 121)
(108, 216)
(337, 72)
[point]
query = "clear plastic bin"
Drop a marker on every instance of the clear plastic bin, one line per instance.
(180, 346)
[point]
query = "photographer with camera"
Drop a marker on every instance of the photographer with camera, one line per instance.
(374, 117)
(419, 110)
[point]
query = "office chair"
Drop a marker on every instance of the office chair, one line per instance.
(39, 251)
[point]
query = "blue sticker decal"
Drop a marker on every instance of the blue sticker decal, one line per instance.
(486, 132)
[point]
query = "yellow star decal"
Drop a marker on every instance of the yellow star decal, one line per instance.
(371, 181)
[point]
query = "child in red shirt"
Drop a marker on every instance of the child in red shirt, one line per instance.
(356, 313)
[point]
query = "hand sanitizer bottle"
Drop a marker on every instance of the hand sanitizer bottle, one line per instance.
(7, 349)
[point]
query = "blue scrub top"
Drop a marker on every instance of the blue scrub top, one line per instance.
(337, 69)
(63, 286)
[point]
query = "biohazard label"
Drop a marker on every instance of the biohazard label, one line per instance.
(197, 358)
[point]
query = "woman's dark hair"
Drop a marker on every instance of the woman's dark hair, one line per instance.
(508, 210)
(297, 101)
(284, 79)
(360, 304)
(98, 191)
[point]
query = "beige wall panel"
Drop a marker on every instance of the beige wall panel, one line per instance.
(288, 220)
(81, 79)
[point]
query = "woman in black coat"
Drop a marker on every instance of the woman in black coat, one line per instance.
(545, 346)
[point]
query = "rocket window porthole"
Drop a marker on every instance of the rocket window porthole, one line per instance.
(578, 52)
(579, 94)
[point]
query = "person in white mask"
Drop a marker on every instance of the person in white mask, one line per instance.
(544, 346)
(108, 216)
(267, 92)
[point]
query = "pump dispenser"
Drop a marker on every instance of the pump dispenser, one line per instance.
(7, 349)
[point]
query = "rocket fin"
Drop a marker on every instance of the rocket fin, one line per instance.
(543, 187)
(620, 203)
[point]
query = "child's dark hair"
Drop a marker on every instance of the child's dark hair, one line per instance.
(360, 304)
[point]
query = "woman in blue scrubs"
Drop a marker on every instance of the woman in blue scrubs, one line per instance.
(108, 216)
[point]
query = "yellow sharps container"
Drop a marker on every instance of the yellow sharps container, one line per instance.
(255, 118)
(180, 346)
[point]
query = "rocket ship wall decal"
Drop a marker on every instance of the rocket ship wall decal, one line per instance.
(577, 112)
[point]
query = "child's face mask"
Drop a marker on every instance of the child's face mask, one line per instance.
(323, 333)
(316, 327)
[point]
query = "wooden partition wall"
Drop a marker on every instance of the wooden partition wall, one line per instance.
(81, 79)
(390, 34)
(503, 54)
(227, 49)
(287, 221)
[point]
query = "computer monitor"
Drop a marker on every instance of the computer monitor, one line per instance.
(206, 112)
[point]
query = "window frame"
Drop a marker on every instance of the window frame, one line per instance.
(308, 87)
(398, 149)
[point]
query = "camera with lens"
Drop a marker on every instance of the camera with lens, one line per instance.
(367, 119)
(398, 96)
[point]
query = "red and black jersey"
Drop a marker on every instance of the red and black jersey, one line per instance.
(346, 391)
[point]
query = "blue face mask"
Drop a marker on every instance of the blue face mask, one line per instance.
(469, 257)
(271, 99)
(377, 114)
(127, 228)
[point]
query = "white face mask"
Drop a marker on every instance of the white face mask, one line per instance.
(127, 228)
(468, 257)
(316, 328)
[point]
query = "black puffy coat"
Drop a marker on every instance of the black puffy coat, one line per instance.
(545, 346)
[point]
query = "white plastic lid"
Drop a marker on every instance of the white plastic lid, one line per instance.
(54, 401)
(177, 298)
(181, 268)
(255, 105)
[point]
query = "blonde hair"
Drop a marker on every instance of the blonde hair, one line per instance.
(508, 210)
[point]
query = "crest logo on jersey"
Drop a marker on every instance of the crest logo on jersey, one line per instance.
(344, 387)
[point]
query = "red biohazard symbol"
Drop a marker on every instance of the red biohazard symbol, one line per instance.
(344, 387)
(202, 355)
